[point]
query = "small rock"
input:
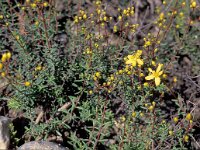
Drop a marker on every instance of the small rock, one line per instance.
(4, 132)
(43, 145)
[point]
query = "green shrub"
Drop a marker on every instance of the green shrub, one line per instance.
(98, 91)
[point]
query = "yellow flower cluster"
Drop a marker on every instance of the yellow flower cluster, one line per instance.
(126, 12)
(115, 29)
(33, 5)
(98, 3)
(134, 59)
(81, 16)
(161, 21)
(97, 76)
(88, 51)
(5, 57)
(134, 27)
(193, 4)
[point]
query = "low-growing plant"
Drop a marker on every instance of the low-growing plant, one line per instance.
(99, 88)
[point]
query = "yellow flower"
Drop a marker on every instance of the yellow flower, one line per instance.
(189, 116)
(115, 29)
(3, 74)
(94, 78)
(98, 11)
(80, 18)
(17, 37)
(38, 68)
(7, 24)
(141, 74)
(147, 43)
(122, 118)
(134, 59)
(102, 24)
(1, 16)
(132, 12)
(151, 108)
(120, 82)
(45, 4)
(120, 71)
(98, 74)
(171, 132)
(181, 14)
(36, 23)
(175, 79)
(193, 4)
(4, 58)
(161, 17)
(98, 2)
(177, 26)
(90, 92)
(1, 66)
(105, 18)
(27, 83)
(84, 16)
(76, 21)
(186, 138)
(129, 73)
(164, 2)
(8, 55)
(164, 76)
(134, 114)
(155, 74)
(120, 18)
(153, 63)
(146, 84)
(108, 83)
(96, 45)
(154, 103)
(33, 5)
(175, 119)
(141, 114)
(155, 50)
(125, 12)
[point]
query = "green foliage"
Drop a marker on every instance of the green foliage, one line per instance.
(99, 92)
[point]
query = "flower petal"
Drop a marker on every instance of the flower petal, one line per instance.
(131, 62)
(134, 63)
(130, 56)
(160, 73)
(150, 70)
(159, 67)
(140, 62)
(150, 77)
(139, 52)
(157, 81)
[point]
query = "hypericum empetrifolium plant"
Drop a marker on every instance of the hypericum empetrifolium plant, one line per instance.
(101, 88)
